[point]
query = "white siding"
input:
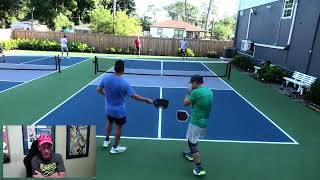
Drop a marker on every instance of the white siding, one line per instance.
(166, 32)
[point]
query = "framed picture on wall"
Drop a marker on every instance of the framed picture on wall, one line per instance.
(6, 151)
(30, 134)
(78, 141)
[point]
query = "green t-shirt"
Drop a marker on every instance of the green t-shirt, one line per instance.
(201, 99)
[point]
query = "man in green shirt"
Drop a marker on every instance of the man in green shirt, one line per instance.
(200, 97)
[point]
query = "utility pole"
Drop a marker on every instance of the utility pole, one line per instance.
(185, 11)
(32, 18)
(114, 13)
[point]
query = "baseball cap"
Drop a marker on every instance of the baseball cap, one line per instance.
(44, 138)
(196, 78)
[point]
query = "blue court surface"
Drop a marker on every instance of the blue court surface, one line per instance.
(233, 118)
(10, 78)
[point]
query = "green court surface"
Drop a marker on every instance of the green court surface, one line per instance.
(160, 159)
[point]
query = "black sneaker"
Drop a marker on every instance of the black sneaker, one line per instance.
(199, 171)
(188, 156)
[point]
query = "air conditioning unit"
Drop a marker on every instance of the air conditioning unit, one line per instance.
(246, 45)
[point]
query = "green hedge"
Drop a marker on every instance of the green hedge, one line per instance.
(44, 45)
(189, 52)
(272, 73)
(242, 62)
(314, 93)
(213, 54)
(128, 50)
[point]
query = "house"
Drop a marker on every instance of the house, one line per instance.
(27, 25)
(286, 32)
(82, 28)
(175, 29)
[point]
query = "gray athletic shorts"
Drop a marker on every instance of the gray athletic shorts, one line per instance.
(64, 49)
(194, 133)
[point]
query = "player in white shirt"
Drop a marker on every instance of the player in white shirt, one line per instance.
(2, 54)
(64, 46)
(184, 46)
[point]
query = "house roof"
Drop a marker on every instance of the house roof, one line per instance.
(178, 25)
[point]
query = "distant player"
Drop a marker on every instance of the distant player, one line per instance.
(64, 46)
(184, 46)
(137, 44)
(2, 55)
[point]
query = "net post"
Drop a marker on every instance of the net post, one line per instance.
(56, 63)
(229, 71)
(59, 65)
(95, 61)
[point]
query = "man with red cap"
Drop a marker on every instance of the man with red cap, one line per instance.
(47, 164)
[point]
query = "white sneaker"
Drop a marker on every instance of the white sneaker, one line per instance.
(118, 149)
(106, 143)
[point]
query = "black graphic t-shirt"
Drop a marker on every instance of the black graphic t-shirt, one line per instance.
(47, 168)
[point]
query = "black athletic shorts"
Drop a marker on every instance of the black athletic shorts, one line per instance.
(118, 121)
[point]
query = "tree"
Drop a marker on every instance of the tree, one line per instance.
(46, 11)
(84, 7)
(225, 28)
(124, 25)
(11, 11)
(153, 9)
(101, 22)
(177, 10)
(129, 6)
(145, 22)
(62, 21)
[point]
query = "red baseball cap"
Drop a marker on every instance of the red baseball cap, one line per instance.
(44, 138)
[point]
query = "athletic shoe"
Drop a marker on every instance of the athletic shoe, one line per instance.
(188, 156)
(199, 171)
(118, 149)
(106, 143)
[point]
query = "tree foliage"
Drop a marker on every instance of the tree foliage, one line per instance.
(102, 22)
(11, 11)
(225, 28)
(62, 21)
(177, 12)
(129, 6)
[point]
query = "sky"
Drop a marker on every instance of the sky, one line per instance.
(225, 7)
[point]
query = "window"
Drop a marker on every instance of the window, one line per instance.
(287, 8)
(178, 33)
(159, 32)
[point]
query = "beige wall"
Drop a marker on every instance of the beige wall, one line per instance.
(78, 167)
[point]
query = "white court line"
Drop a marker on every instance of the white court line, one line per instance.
(68, 99)
(6, 80)
(36, 60)
(295, 142)
(43, 76)
(160, 117)
(204, 140)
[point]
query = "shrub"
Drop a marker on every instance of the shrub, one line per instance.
(189, 52)
(272, 73)
(314, 93)
(44, 45)
(9, 44)
(243, 63)
(213, 54)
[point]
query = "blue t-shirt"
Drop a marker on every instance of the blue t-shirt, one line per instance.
(116, 89)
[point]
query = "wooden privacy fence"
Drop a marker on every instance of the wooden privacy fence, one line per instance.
(150, 45)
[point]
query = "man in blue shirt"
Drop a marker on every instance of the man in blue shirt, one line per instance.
(115, 88)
